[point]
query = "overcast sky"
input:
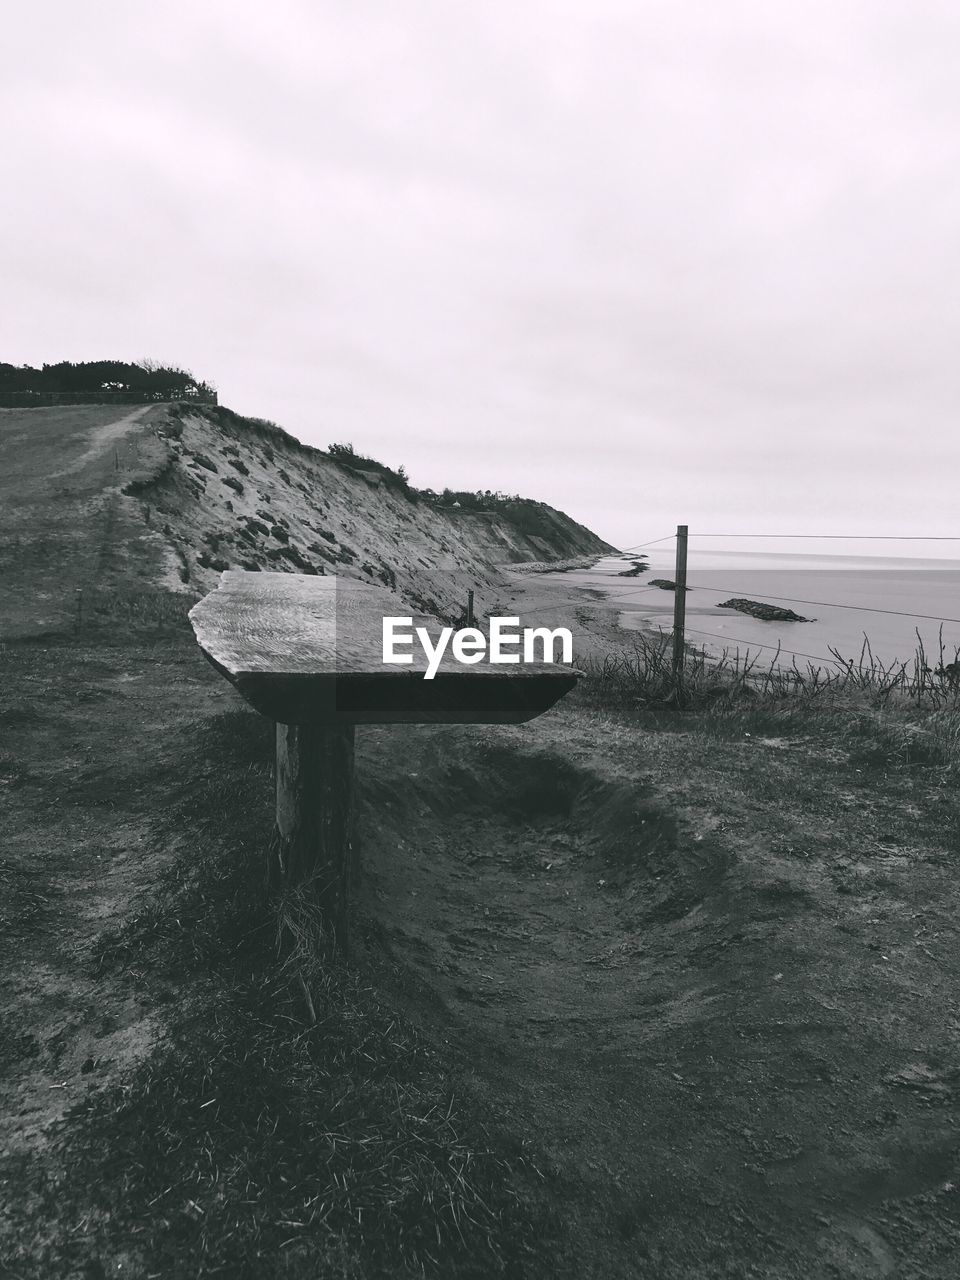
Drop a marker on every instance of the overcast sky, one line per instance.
(650, 262)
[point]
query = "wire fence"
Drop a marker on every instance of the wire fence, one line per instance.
(23, 399)
(604, 598)
(597, 595)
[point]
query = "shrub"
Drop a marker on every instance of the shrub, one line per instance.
(207, 561)
(347, 456)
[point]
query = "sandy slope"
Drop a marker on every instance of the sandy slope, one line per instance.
(162, 499)
(226, 496)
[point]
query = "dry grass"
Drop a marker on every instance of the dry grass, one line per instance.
(254, 1141)
(905, 713)
(251, 1145)
(160, 610)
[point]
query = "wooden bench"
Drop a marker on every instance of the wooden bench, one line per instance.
(308, 653)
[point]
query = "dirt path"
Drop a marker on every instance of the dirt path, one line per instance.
(704, 1009)
(101, 438)
(64, 522)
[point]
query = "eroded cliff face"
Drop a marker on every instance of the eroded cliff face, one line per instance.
(225, 492)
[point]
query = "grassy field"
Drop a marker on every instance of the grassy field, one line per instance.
(617, 971)
(157, 1056)
(65, 526)
(644, 988)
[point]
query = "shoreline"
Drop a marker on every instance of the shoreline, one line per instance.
(874, 621)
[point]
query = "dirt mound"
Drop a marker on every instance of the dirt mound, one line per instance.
(531, 811)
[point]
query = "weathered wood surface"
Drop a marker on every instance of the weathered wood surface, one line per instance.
(309, 650)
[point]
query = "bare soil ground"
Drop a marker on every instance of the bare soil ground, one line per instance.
(90, 747)
(714, 977)
(630, 995)
(706, 984)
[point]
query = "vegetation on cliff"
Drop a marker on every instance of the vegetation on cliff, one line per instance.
(106, 379)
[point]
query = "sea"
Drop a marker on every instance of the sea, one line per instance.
(878, 608)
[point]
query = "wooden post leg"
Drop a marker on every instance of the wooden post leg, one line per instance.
(314, 847)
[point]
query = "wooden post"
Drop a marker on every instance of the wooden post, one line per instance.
(79, 599)
(314, 849)
(679, 607)
(469, 608)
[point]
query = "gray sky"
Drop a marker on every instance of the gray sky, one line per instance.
(650, 262)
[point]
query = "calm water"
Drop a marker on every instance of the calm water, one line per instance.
(831, 584)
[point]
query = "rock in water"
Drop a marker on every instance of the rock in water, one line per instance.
(765, 612)
(633, 572)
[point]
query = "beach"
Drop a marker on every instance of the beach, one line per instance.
(847, 601)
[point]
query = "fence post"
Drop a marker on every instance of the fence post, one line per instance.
(679, 607)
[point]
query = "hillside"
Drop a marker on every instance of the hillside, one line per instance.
(635, 989)
(163, 497)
